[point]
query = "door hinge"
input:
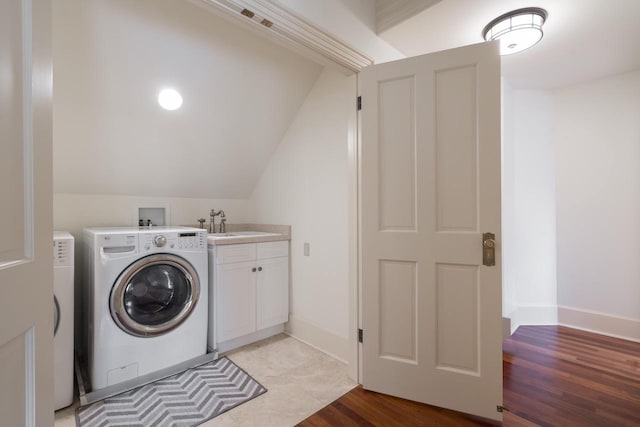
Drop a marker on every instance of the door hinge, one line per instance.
(360, 335)
(501, 408)
(359, 103)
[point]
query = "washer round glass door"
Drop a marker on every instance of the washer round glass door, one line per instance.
(154, 295)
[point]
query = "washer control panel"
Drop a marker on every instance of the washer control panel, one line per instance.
(62, 252)
(195, 240)
(184, 240)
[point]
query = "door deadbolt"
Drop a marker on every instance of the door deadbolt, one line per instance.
(488, 249)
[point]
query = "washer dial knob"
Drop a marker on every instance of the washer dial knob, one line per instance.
(159, 240)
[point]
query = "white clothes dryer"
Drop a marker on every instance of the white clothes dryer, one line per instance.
(146, 300)
(63, 318)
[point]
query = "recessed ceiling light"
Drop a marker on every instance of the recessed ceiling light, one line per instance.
(170, 99)
(517, 30)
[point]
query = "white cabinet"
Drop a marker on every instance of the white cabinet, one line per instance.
(251, 287)
(236, 300)
(272, 294)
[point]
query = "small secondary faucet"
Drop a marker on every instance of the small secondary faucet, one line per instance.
(213, 214)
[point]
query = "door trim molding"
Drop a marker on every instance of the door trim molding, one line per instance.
(27, 128)
(30, 377)
(291, 30)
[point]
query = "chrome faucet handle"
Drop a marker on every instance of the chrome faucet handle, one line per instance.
(212, 224)
(202, 221)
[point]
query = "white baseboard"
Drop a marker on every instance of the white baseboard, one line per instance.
(506, 328)
(533, 315)
(319, 338)
(601, 323)
(232, 344)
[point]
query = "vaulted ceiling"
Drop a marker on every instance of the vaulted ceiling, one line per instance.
(112, 57)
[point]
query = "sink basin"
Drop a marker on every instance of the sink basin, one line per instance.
(242, 234)
(252, 233)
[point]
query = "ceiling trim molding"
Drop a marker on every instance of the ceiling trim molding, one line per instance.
(280, 24)
(390, 13)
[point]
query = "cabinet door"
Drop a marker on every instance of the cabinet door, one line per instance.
(236, 300)
(273, 292)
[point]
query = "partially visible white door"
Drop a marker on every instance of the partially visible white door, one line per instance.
(430, 187)
(273, 292)
(26, 237)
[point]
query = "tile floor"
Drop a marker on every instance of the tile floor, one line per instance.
(300, 379)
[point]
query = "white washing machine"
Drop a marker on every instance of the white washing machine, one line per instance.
(146, 300)
(63, 318)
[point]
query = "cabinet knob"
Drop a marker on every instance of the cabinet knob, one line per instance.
(259, 268)
(253, 269)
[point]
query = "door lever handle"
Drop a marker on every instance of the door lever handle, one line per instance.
(488, 249)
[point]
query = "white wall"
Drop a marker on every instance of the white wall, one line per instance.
(529, 207)
(306, 185)
(353, 21)
(73, 212)
(571, 206)
(509, 288)
(598, 199)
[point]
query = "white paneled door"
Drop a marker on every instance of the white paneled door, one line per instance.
(26, 239)
(430, 188)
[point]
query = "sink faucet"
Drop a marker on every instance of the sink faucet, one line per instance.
(213, 214)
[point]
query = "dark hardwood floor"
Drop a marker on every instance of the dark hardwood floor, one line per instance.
(553, 376)
(556, 376)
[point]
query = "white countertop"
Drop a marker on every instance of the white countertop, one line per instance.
(237, 237)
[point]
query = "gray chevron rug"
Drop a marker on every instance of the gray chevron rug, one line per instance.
(185, 399)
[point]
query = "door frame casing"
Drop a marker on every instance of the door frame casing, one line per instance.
(353, 227)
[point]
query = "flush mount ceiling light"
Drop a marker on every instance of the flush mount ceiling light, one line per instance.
(517, 30)
(170, 99)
